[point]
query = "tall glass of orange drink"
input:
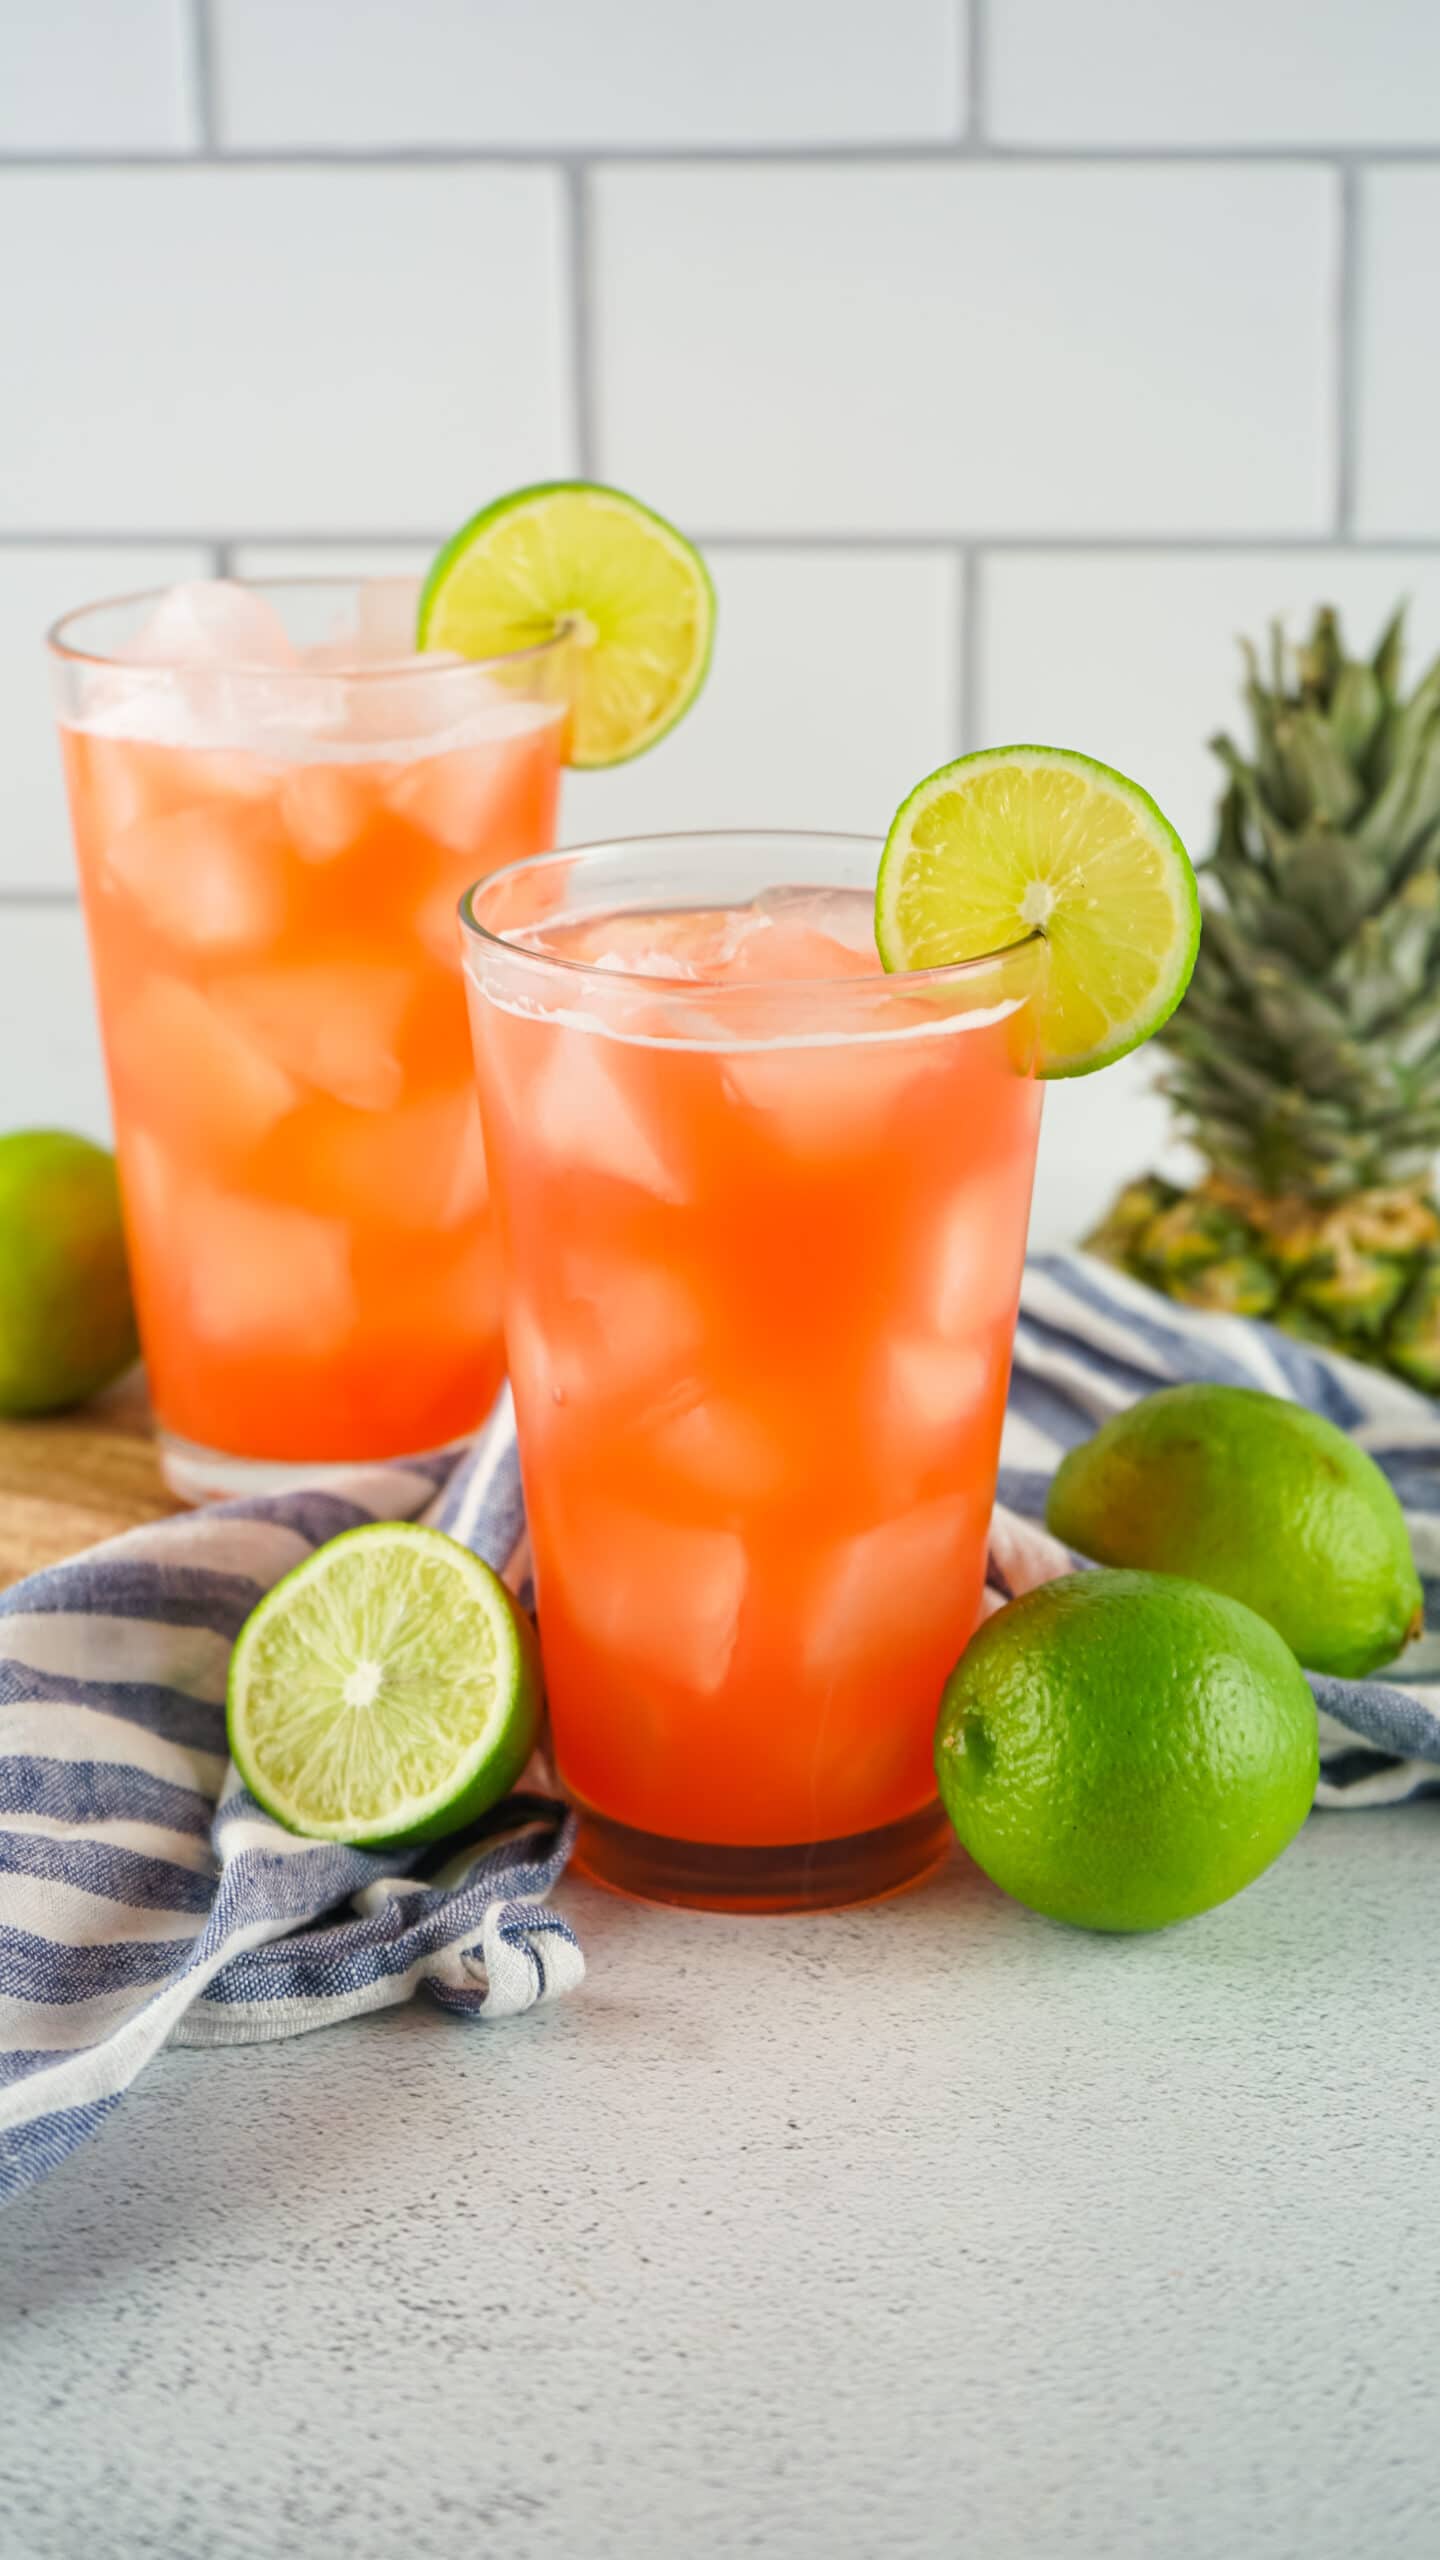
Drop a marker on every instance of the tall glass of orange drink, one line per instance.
(762, 1215)
(276, 806)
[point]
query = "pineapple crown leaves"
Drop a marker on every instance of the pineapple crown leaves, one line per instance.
(1307, 1051)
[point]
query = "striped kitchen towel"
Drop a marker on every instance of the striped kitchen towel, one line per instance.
(145, 1897)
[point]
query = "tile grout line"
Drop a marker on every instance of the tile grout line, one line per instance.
(582, 314)
(975, 67)
(941, 539)
(200, 71)
(969, 576)
(959, 150)
(1346, 353)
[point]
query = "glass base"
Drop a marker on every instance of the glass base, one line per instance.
(819, 1875)
(197, 1475)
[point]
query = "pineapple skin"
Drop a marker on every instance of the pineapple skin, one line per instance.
(1360, 1276)
(1305, 1059)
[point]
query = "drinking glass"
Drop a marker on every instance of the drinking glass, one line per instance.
(761, 1243)
(270, 857)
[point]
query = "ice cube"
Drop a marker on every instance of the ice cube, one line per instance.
(933, 1400)
(844, 916)
(258, 1273)
(713, 1445)
(688, 943)
(254, 1276)
(182, 1069)
(210, 878)
(470, 799)
(615, 1332)
(324, 810)
(380, 628)
(389, 704)
(584, 1115)
(910, 1582)
(974, 1275)
(386, 617)
(665, 1600)
(333, 1025)
(830, 1101)
(420, 1165)
(934, 1390)
(115, 782)
(212, 622)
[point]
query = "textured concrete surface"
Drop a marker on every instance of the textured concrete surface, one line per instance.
(923, 2231)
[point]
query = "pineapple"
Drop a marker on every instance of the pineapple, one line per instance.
(1306, 1055)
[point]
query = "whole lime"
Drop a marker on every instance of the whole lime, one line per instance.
(67, 1325)
(1122, 1750)
(1256, 1497)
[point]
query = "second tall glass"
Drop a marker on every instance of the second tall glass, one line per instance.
(762, 1212)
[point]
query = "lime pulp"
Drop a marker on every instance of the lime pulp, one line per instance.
(569, 556)
(1001, 844)
(387, 1691)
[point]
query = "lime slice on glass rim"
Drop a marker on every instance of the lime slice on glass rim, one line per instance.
(997, 844)
(385, 1692)
(634, 593)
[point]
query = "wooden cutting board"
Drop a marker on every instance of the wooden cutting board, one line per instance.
(67, 1481)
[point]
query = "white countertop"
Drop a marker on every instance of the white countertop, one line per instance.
(915, 2231)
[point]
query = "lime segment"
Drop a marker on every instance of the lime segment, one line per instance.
(387, 1691)
(998, 844)
(634, 593)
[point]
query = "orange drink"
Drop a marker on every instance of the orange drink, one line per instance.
(762, 1216)
(276, 808)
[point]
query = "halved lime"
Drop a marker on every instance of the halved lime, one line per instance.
(634, 593)
(387, 1691)
(996, 844)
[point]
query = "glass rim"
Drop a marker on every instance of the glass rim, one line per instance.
(391, 671)
(945, 974)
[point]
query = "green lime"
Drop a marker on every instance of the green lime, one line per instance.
(67, 1326)
(1256, 1497)
(635, 595)
(1122, 1750)
(387, 1691)
(1020, 839)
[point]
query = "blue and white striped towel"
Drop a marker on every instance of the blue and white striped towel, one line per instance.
(145, 1897)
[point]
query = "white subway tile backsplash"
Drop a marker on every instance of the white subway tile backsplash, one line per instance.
(1214, 71)
(234, 351)
(834, 688)
(569, 73)
(859, 364)
(1134, 658)
(1398, 487)
(36, 587)
(898, 349)
(95, 75)
(50, 1069)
